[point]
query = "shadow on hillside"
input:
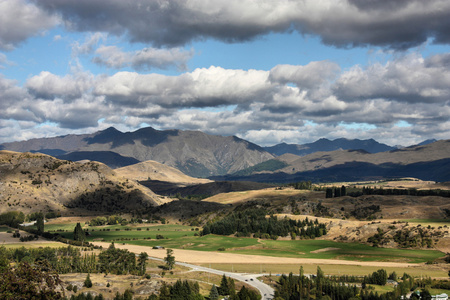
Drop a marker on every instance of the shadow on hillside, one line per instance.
(438, 170)
(110, 200)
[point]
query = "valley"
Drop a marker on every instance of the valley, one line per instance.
(252, 230)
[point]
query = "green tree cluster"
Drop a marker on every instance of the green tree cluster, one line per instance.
(117, 261)
(253, 221)
(12, 218)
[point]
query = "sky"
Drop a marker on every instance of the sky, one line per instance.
(268, 71)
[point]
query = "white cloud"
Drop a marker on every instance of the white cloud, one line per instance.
(48, 86)
(261, 105)
(20, 20)
(410, 78)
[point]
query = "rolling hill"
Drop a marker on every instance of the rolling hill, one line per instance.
(32, 182)
(152, 170)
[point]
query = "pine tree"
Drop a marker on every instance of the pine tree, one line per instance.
(87, 281)
(213, 294)
(78, 233)
(224, 286)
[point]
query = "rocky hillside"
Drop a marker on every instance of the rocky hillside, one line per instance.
(38, 182)
(192, 152)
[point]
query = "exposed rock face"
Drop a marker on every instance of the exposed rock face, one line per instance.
(38, 182)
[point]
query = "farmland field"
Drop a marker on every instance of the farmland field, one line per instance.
(184, 237)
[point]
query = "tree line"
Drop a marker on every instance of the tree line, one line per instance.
(70, 260)
(324, 287)
(253, 221)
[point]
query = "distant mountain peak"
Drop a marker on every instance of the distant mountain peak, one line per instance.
(324, 144)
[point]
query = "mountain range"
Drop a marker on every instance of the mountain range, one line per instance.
(426, 162)
(198, 154)
(370, 146)
(192, 152)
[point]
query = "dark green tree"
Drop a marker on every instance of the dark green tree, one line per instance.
(213, 294)
(78, 233)
(224, 286)
(87, 281)
(40, 223)
(343, 191)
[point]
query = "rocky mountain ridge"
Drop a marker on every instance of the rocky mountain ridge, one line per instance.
(426, 162)
(193, 152)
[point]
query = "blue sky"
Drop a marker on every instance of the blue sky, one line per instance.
(266, 71)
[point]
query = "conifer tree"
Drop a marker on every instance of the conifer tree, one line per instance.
(213, 294)
(78, 233)
(87, 281)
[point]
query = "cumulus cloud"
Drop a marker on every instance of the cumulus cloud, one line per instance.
(20, 20)
(49, 86)
(143, 60)
(410, 78)
(392, 24)
(312, 75)
(255, 104)
(210, 87)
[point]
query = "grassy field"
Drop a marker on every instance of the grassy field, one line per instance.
(183, 237)
(118, 232)
(297, 249)
(4, 228)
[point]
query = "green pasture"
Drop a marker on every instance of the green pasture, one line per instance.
(119, 233)
(182, 237)
(203, 243)
(345, 251)
(296, 249)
